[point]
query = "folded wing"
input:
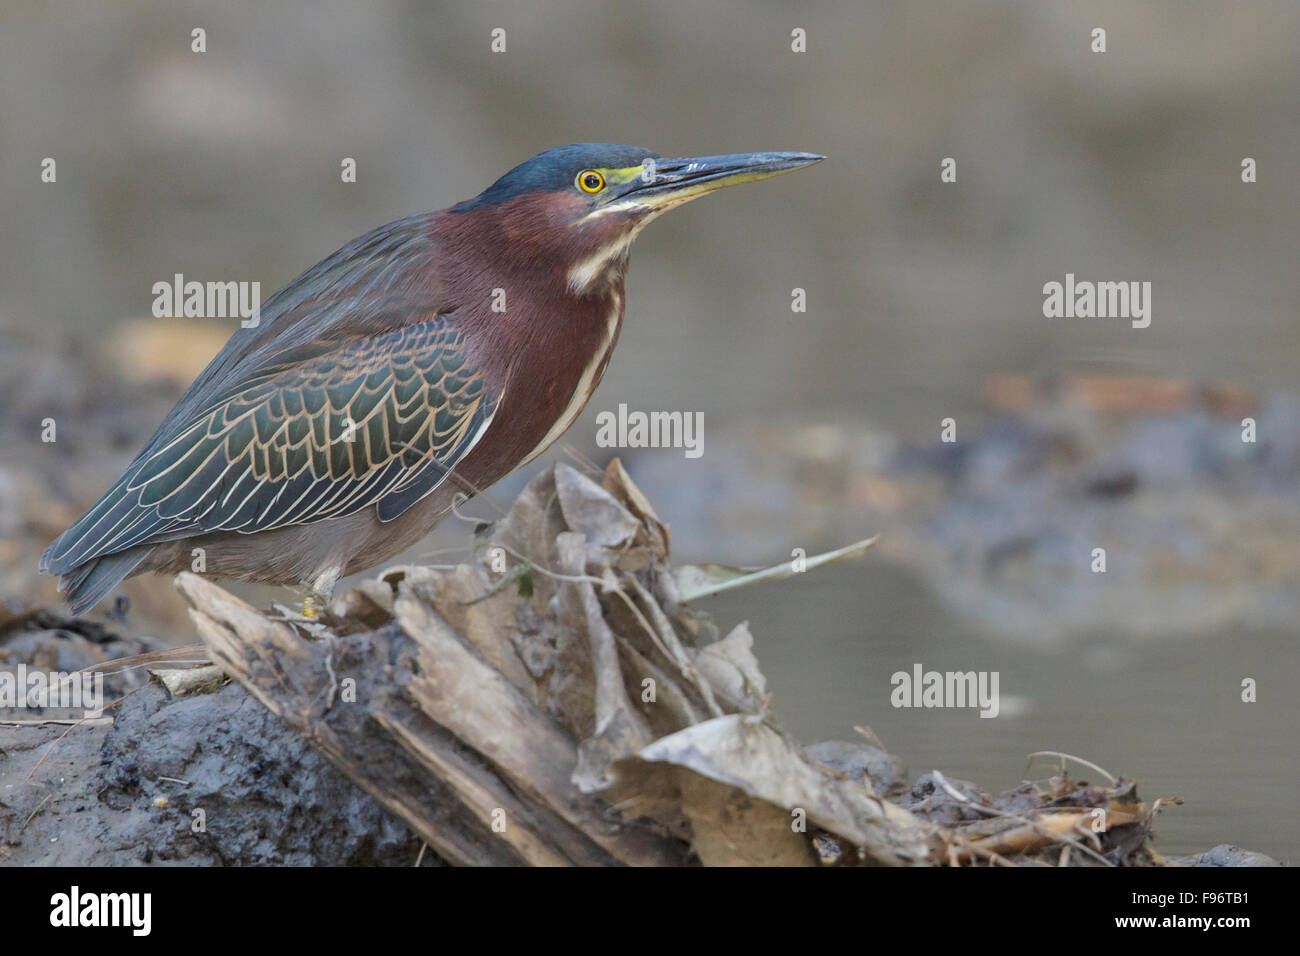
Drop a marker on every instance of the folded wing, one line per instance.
(319, 433)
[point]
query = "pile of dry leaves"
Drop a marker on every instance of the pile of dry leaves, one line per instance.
(559, 702)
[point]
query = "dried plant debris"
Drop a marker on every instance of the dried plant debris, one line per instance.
(1058, 823)
(560, 702)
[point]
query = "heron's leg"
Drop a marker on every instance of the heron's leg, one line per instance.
(320, 592)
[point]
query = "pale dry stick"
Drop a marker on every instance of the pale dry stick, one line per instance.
(958, 795)
(508, 577)
(547, 572)
(39, 807)
(1079, 760)
(994, 812)
(425, 558)
(329, 669)
(1156, 806)
(172, 655)
(1161, 801)
(1088, 834)
(527, 564)
(459, 499)
(964, 844)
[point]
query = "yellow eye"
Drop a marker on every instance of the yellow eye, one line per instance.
(590, 181)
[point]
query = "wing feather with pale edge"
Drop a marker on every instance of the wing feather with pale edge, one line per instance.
(322, 434)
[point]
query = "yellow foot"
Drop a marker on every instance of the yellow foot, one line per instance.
(308, 605)
(314, 597)
(311, 605)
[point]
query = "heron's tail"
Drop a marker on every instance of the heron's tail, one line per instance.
(84, 586)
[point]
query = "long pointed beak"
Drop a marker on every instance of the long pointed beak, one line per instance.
(665, 182)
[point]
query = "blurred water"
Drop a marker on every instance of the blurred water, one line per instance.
(1167, 714)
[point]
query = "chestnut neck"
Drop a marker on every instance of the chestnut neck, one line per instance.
(504, 269)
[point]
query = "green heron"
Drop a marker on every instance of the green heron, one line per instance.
(455, 344)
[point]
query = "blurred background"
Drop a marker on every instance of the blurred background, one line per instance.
(924, 302)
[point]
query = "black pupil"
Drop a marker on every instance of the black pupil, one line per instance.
(592, 180)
